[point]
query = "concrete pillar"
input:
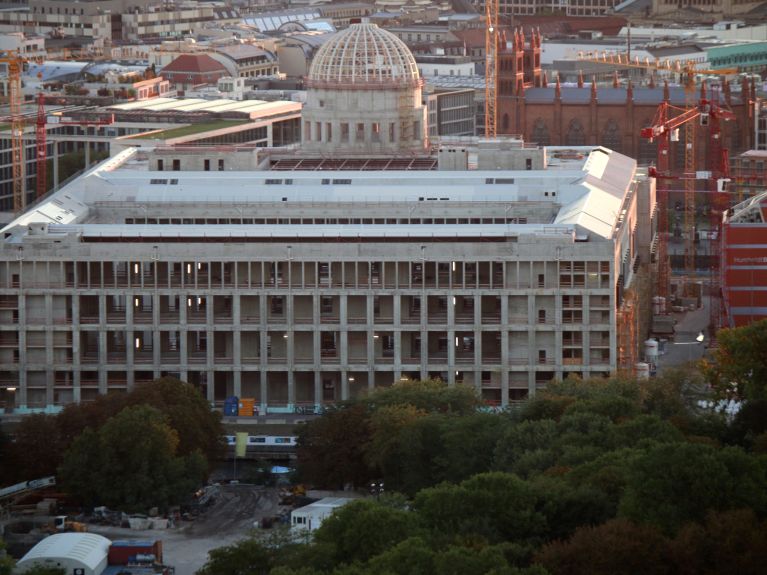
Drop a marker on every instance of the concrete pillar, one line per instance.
(55, 166)
(49, 376)
(76, 380)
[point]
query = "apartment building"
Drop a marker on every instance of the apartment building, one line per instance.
(310, 281)
(114, 20)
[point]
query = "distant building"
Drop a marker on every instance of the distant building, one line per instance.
(189, 70)
(310, 517)
(744, 262)
(247, 60)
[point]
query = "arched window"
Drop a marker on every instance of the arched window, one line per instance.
(575, 135)
(540, 134)
(611, 136)
(505, 124)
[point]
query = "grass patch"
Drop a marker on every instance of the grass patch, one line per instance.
(192, 129)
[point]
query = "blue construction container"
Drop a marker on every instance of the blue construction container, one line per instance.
(231, 405)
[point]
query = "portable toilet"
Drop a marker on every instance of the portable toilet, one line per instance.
(246, 407)
(231, 405)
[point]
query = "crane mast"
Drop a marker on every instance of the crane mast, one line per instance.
(491, 67)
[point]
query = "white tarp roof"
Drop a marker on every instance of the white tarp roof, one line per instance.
(88, 549)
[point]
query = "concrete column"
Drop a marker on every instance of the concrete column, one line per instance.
(102, 361)
(558, 361)
(532, 342)
(21, 396)
(55, 166)
(317, 390)
(344, 385)
(478, 335)
(76, 380)
(504, 359)
(236, 343)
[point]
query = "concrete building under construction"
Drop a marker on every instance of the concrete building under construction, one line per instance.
(303, 277)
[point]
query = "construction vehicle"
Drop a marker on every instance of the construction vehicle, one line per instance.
(64, 524)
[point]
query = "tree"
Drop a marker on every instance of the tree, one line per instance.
(198, 426)
(491, 507)
(728, 543)
(363, 529)
(36, 451)
(331, 448)
(6, 562)
(131, 463)
(618, 547)
(671, 484)
(246, 557)
(431, 396)
(740, 361)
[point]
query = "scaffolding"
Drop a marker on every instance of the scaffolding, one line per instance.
(627, 317)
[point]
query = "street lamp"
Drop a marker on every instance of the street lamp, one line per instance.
(376, 488)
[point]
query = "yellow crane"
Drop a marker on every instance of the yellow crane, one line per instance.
(491, 67)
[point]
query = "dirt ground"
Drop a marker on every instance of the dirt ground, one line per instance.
(226, 521)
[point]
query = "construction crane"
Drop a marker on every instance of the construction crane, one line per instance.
(664, 130)
(41, 149)
(14, 64)
(686, 68)
(491, 67)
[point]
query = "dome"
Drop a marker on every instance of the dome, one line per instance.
(364, 54)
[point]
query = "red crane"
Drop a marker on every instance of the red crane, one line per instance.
(664, 130)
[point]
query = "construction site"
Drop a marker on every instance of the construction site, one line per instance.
(595, 265)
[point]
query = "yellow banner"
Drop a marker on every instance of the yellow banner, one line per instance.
(241, 444)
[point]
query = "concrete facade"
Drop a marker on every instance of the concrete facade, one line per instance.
(306, 288)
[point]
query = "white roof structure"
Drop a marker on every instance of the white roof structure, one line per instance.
(199, 105)
(582, 192)
(86, 551)
(311, 516)
(363, 54)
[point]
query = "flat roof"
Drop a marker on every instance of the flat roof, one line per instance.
(582, 191)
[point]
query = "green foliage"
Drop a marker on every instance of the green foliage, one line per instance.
(617, 547)
(675, 483)
(41, 440)
(247, 557)
(492, 507)
(131, 463)
(361, 530)
(331, 449)
(740, 362)
(589, 477)
(430, 396)
(36, 452)
(6, 562)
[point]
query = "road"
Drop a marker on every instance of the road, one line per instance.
(685, 349)
(227, 521)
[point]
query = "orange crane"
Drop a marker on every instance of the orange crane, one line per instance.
(14, 64)
(491, 67)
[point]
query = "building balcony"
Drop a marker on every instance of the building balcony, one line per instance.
(197, 357)
(142, 317)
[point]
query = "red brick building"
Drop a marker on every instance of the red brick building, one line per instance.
(189, 70)
(551, 114)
